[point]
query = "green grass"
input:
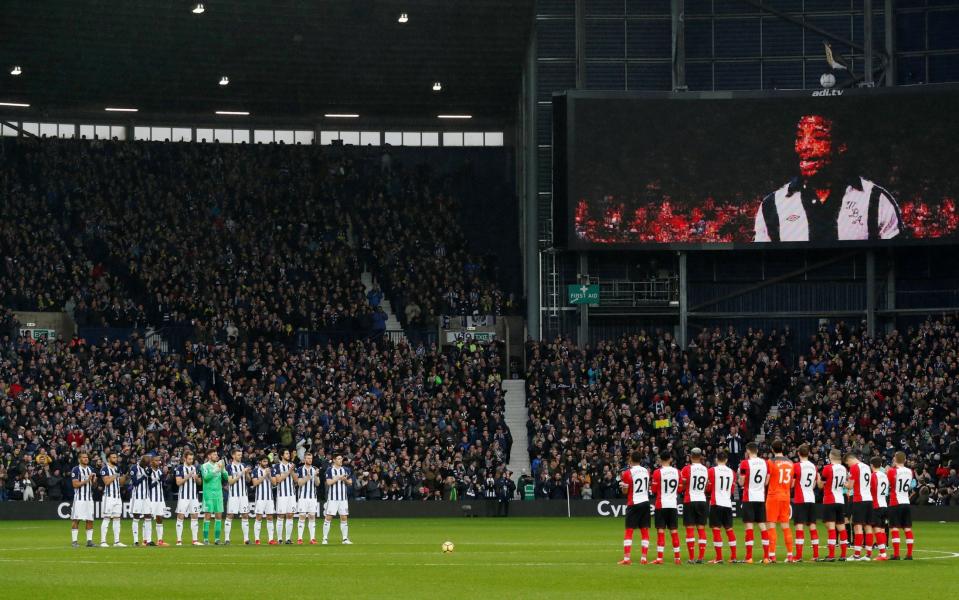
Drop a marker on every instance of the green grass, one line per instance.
(501, 558)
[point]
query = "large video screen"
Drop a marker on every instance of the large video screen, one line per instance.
(855, 166)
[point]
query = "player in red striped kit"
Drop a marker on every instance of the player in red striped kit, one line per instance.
(860, 482)
(692, 483)
(880, 495)
(635, 481)
(720, 486)
(804, 503)
(665, 486)
(753, 477)
(900, 513)
(833, 484)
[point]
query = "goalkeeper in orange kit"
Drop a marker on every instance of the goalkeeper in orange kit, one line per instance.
(778, 509)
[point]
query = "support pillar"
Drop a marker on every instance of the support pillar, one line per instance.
(683, 302)
(583, 334)
(678, 13)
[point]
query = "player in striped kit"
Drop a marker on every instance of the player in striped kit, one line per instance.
(860, 482)
(666, 486)
(753, 477)
(157, 502)
(111, 506)
(283, 478)
(188, 500)
(901, 480)
(805, 477)
(692, 483)
(238, 504)
(338, 482)
(719, 484)
(880, 496)
(139, 481)
(263, 509)
(635, 482)
(833, 484)
(83, 477)
(307, 482)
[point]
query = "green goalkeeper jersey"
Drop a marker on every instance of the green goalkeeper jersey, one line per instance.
(213, 481)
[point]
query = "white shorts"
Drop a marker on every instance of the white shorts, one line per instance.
(188, 507)
(111, 507)
(82, 510)
(141, 507)
(336, 507)
(158, 508)
(285, 505)
(306, 506)
(238, 505)
(263, 507)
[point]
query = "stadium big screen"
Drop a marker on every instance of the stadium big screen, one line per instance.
(813, 168)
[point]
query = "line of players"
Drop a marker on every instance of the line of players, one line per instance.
(281, 491)
(773, 492)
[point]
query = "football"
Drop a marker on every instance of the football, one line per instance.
(448, 547)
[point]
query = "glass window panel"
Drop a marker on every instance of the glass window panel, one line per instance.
(262, 136)
(303, 137)
(33, 128)
(473, 138)
(223, 136)
(452, 138)
(431, 138)
(162, 134)
(494, 138)
(368, 138)
(87, 131)
(350, 137)
(8, 131)
(118, 131)
(182, 134)
(102, 132)
(204, 135)
(241, 136)
(48, 129)
(283, 136)
(67, 130)
(141, 133)
(327, 137)
(411, 138)
(393, 138)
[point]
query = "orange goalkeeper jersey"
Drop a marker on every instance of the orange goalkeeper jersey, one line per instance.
(780, 478)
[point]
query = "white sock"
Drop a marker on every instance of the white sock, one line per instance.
(90, 534)
(312, 524)
(195, 528)
(159, 532)
(148, 530)
(74, 533)
(136, 531)
(345, 530)
(104, 530)
(245, 528)
(289, 527)
(326, 529)
(269, 529)
(279, 529)
(116, 530)
(257, 525)
(227, 528)
(179, 530)
(299, 527)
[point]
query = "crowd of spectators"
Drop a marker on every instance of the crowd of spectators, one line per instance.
(416, 421)
(588, 407)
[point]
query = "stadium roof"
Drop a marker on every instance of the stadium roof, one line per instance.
(296, 58)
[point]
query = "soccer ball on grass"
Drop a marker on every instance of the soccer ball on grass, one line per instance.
(448, 547)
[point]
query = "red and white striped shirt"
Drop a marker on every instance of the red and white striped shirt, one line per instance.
(756, 474)
(665, 486)
(900, 482)
(880, 489)
(692, 481)
(720, 485)
(637, 477)
(834, 484)
(861, 476)
(804, 482)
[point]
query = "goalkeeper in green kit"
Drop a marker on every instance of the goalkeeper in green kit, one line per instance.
(213, 473)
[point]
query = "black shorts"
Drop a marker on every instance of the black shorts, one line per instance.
(754, 512)
(667, 518)
(721, 517)
(862, 513)
(637, 516)
(804, 513)
(694, 513)
(834, 513)
(899, 516)
(879, 517)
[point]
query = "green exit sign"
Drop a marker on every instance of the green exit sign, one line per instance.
(583, 294)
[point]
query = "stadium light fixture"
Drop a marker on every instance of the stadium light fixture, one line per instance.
(404, 18)
(15, 104)
(115, 109)
(437, 86)
(234, 113)
(199, 9)
(341, 115)
(224, 80)
(454, 116)
(16, 70)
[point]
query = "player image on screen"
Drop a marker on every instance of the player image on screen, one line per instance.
(826, 201)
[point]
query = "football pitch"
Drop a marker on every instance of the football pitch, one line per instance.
(402, 558)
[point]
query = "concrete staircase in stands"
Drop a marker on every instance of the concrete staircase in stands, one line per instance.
(516, 417)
